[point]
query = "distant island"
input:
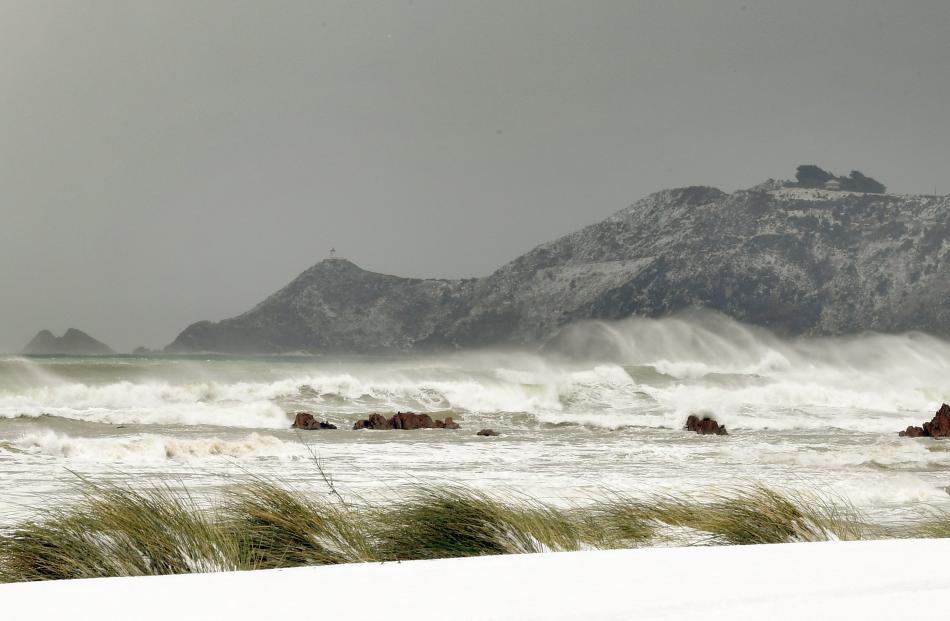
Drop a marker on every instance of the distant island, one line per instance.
(73, 343)
(806, 257)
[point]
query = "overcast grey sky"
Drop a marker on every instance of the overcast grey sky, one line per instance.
(168, 161)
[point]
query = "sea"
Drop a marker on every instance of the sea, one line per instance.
(599, 410)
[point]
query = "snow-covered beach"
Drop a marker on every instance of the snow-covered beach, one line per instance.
(872, 580)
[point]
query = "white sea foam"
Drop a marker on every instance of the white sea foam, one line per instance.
(143, 448)
(888, 452)
(255, 415)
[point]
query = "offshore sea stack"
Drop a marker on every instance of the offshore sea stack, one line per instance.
(73, 343)
(705, 426)
(938, 427)
(406, 421)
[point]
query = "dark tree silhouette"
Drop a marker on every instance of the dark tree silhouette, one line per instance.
(811, 176)
(857, 182)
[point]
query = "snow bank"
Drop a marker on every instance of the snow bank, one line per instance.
(837, 580)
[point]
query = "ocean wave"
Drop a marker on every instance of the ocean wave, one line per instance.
(152, 447)
(254, 415)
(696, 343)
(889, 454)
(637, 372)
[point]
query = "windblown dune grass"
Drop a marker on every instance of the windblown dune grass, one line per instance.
(118, 531)
(277, 528)
(927, 524)
(453, 522)
(757, 514)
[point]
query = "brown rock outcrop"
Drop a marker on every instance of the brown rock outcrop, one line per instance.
(487, 432)
(705, 426)
(938, 427)
(405, 421)
(448, 423)
(305, 420)
(411, 420)
(375, 421)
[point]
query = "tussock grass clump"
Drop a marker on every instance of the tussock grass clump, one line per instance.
(757, 514)
(58, 547)
(446, 523)
(744, 515)
(932, 524)
(621, 522)
(117, 531)
(932, 530)
(278, 528)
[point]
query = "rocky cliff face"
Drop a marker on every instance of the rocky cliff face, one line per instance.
(73, 343)
(798, 261)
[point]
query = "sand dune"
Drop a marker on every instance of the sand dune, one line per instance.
(871, 580)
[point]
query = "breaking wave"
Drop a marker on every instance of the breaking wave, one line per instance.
(638, 372)
(152, 447)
